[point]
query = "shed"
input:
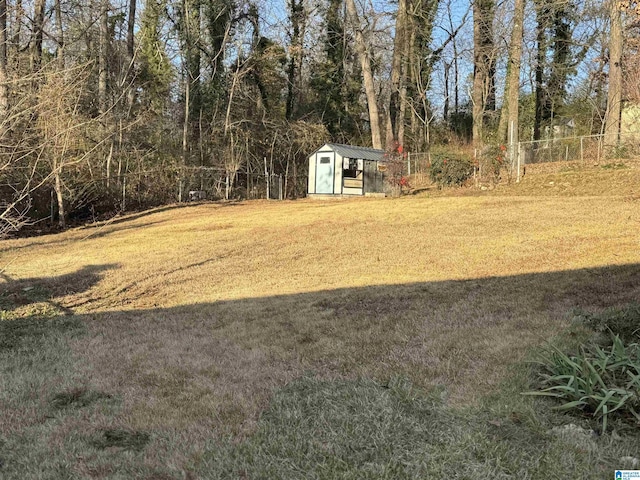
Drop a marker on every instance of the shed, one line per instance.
(336, 169)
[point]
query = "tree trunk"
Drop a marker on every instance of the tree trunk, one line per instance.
(397, 80)
(483, 95)
(131, 22)
(191, 51)
(403, 88)
(60, 49)
(445, 109)
(103, 57)
(293, 71)
(539, 76)
(614, 97)
(59, 196)
(509, 114)
(478, 77)
(38, 24)
(17, 25)
(369, 86)
(4, 87)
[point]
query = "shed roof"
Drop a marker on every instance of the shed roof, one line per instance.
(351, 151)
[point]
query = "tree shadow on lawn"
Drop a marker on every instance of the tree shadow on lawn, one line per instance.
(190, 374)
(228, 357)
(27, 291)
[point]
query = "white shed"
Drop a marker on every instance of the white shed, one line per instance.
(336, 169)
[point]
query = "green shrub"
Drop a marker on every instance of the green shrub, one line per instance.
(598, 382)
(448, 169)
(623, 322)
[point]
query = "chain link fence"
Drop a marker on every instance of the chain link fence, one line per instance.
(211, 184)
(589, 148)
(91, 198)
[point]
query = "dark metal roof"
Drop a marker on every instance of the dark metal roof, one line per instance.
(351, 151)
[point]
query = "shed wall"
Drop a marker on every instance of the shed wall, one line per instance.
(337, 172)
(311, 187)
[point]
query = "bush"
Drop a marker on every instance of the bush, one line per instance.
(598, 382)
(493, 159)
(448, 169)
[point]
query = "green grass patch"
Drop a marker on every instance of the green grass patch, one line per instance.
(623, 322)
(361, 429)
(614, 166)
(28, 333)
(77, 397)
(122, 438)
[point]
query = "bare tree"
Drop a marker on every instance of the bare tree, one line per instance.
(60, 39)
(483, 65)
(103, 56)
(38, 34)
(509, 114)
(395, 112)
(614, 97)
(131, 22)
(298, 19)
(4, 86)
(367, 74)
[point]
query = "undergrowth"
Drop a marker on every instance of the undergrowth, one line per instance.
(450, 169)
(601, 380)
(598, 382)
(623, 322)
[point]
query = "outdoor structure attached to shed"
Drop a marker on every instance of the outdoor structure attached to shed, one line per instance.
(338, 169)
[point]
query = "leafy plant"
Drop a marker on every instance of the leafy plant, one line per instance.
(597, 381)
(448, 169)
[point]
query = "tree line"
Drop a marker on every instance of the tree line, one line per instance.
(102, 97)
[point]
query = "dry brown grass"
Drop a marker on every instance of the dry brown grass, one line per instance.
(195, 315)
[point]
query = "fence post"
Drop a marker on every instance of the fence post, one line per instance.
(511, 151)
(408, 163)
(582, 149)
(280, 187)
(519, 155)
(266, 177)
(124, 192)
(52, 205)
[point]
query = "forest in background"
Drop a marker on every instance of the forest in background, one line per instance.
(109, 105)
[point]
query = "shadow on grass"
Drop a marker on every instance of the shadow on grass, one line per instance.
(462, 335)
(27, 291)
(211, 371)
(167, 208)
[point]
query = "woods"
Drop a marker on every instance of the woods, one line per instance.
(110, 105)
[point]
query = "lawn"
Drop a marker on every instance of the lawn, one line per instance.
(368, 338)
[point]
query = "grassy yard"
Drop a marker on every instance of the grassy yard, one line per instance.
(369, 338)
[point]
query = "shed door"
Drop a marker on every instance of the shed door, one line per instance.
(372, 178)
(324, 174)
